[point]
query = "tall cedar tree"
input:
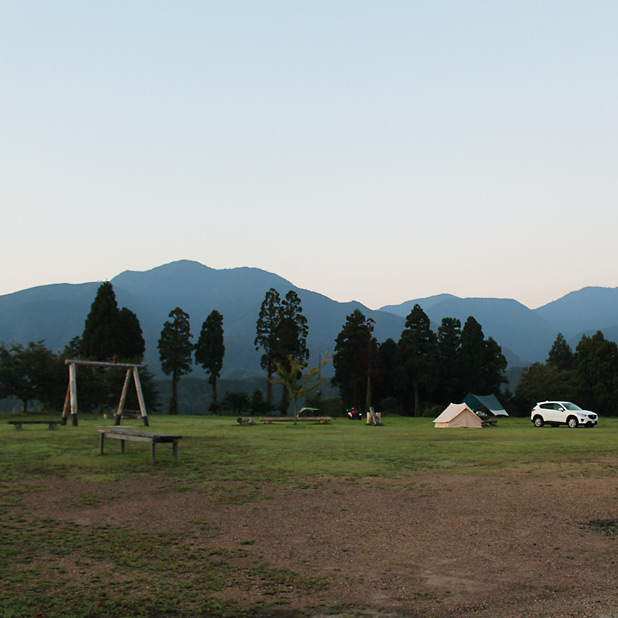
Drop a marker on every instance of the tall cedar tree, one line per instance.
(267, 337)
(210, 350)
(448, 347)
(111, 333)
(416, 352)
(385, 371)
(293, 330)
(494, 366)
(281, 332)
(175, 349)
(560, 355)
(482, 361)
(291, 340)
(354, 356)
(472, 356)
(130, 339)
(98, 340)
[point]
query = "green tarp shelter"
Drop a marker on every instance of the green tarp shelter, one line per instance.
(489, 402)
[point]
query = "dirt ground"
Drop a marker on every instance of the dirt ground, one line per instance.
(514, 543)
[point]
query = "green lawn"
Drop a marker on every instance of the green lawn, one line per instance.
(280, 451)
(216, 450)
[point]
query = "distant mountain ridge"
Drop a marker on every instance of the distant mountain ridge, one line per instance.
(526, 335)
(56, 313)
(523, 335)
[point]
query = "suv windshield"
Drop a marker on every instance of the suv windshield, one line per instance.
(571, 406)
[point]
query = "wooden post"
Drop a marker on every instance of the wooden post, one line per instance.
(140, 396)
(152, 451)
(101, 442)
(67, 403)
(123, 397)
(73, 389)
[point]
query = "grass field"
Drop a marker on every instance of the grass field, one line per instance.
(49, 568)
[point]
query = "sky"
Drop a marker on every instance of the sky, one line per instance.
(377, 151)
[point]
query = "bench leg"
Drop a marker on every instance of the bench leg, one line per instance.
(152, 451)
(101, 443)
(18, 426)
(175, 450)
(122, 445)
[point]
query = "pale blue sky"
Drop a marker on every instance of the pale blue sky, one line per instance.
(370, 151)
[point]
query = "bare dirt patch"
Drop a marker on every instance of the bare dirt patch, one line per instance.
(503, 545)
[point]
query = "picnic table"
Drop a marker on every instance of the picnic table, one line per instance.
(135, 435)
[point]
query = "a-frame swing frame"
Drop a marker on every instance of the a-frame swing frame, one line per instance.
(70, 401)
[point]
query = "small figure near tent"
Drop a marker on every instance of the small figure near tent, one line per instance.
(458, 415)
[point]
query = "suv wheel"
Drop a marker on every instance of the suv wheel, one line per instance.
(572, 422)
(538, 421)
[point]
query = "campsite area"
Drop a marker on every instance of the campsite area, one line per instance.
(345, 519)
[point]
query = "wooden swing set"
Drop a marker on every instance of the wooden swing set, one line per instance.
(70, 401)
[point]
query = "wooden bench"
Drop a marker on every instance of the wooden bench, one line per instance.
(135, 435)
(290, 419)
(52, 424)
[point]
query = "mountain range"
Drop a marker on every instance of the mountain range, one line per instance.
(56, 313)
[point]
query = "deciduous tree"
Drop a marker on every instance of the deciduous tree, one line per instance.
(31, 373)
(544, 381)
(290, 375)
(596, 373)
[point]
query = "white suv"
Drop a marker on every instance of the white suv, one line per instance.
(562, 413)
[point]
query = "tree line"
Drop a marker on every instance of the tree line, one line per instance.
(587, 375)
(35, 373)
(424, 368)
